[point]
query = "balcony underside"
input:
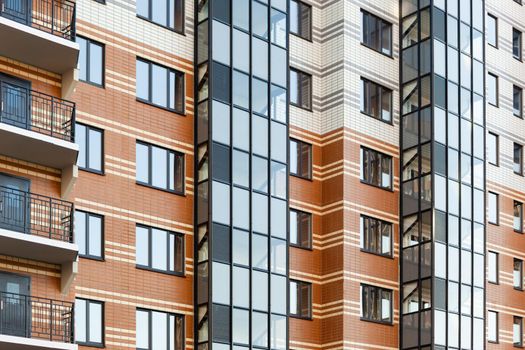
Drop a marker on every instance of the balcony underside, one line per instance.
(20, 343)
(38, 48)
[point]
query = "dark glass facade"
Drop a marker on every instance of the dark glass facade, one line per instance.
(443, 174)
(242, 174)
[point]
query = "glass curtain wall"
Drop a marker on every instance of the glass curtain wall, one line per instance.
(241, 144)
(443, 174)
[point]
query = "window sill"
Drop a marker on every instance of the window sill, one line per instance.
(92, 345)
(101, 86)
(308, 109)
(146, 268)
(301, 177)
(391, 257)
(306, 318)
(302, 37)
(494, 283)
(181, 32)
(391, 122)
(391, 56)
(92, 171)
(182, 194)
(89, 257)
(386, 323)
(182, 113)
(389, 189)
(311, 249)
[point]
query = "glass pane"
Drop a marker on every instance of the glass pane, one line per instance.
(142, 329)
(96, 64)
(159, 241)
(159, 330)
(80, 320)
(80, 140)
(95, 323)
(80, 231)
(95, 150)
(95, 236)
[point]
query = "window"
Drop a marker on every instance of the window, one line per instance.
(301, 19)
(300, 299)
(300, 229)
(492, 30)
(518, 1)
(160, 86)
(518, 159)
(518, 274)
(376, 236)
(376, 168)
(493, 207)
(516, 43)
(376, 304)
(300, 159)
(493, 268)
(518, 216)
(90, 143)
(493, 148)
(517, 331)
(376, 33)
(159, 330)
(517, 101)
(91, 61)
(376, 100)
(89, 232)
(167, 13)
(492, 89)
(300, 89)
(492, 326)
(89, 322)
(159, 250)
(160, 168)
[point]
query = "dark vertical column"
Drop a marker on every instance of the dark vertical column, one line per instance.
(242, 165)
(443, 175)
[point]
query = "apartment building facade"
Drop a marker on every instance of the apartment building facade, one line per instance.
(352, 172)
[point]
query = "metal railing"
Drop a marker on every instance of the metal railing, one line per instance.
(32, 110)
(33, 317)
(35, 214)
(57, 17)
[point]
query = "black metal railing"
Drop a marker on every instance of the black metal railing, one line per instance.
(35, 214)
(57, 17)
(33, 317)
(32, 110)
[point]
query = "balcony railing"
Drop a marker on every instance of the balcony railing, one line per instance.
(32, 110)
(56, 17)
(35, 214)
(33, 317)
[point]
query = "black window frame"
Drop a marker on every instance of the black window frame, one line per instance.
(517, 92)
(149, 311)
(86, 230)
(520, 262)
(366, 179)
(497, 327)
(497, 90)
(300, 163)
(177, 29)
(299, 215)
(379, 292)
(496, 136)
(178, 75)
(520, 319)
(150, 168)
(366, 222)
(497, 267)
(382, 25)
(517, 147)
(102, 149)
(176, 235)
(497, 209)
(300, 301)
(304, 34)
(102, 321)
(517, 35)
(520, 205)
(496, 24)
(301, 103)
(90, 42)
(366, 105)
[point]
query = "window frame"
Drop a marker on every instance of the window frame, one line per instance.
(362, 221)
(102, 321)
(496, 254)
(495, 341)
(310, 30)
(520, 286)
(519, 34)
(299, 160)
(102, 148)
(174, 29)
(520, 319)
(300, 300)
(178, 75)
(519, 90)
(367, 14)
(497, 208)
(497, 89)
(150, 311)
(362, 177)
(365, 82)
(150, 267)
(496, 136)
(90, 42)
(310, 225)
(310, 92)
(519, 147)
(496, 25)
(150, 169)
(520, 204)
(379, 291)
(102, 236)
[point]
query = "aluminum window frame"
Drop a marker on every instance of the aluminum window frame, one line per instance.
(102, 322)
(90, 42)
(150, 326)
(88, 150)
(87, 235)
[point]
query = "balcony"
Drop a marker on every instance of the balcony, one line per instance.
(28, 323)
(40, 33)
(38, 128)
(38, 228)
